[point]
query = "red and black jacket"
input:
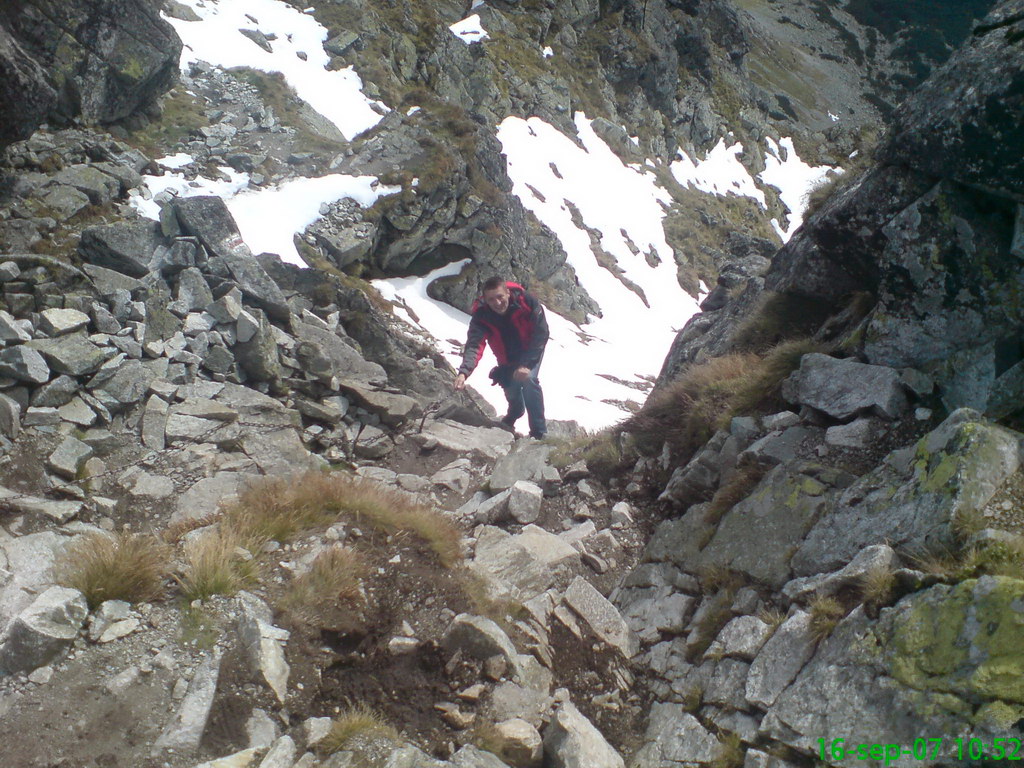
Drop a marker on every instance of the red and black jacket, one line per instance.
(517, 338)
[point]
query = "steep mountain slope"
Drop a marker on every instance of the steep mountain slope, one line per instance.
(806, 543)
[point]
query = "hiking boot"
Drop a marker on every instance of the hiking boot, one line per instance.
(538, 435)
(508, 424)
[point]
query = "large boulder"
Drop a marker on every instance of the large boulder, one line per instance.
(44, 629)
(915, 499)
(103, 59)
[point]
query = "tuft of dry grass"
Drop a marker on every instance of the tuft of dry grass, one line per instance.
(734, 491)
(761, 392)
(600, 451)
(221, 562)
(686, 412)
(692, 698)
(358, 723)
(780, 317)
(281, 508)
(334, 577)
(730, 752)
(877, 587)
(826, 612)
(125, 566)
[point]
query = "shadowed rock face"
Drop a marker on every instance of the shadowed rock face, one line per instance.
(97, 60)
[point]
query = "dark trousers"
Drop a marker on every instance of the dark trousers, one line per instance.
(527, 396)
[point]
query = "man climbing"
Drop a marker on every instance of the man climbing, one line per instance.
(513, 323)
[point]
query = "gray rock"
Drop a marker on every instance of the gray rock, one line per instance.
(602, 617)
(486, 443)
(777, 447)
(393, 409)
(58, 511)
(207, 217)
(727, 684)
(28, 560)
(124, 247)
(263, 644)
(58, 392)
(492, 510)
(227, 308)
(525, 565)
(11, 329)
(154, 422)
(755, 758)
(56, 322)
(24, 364)
(652, 611)
(757, 535)
(478, 637)
(69, 457)
(742, 638)
(526, 461)
(697, 480)
(281, 754)
(185, 731)
(571, 741)
(857, 434)
(77, 412)
(524, 501)
(205, 497)
(845, 388)
(455, 476)
(780, 660)
(10, 417)
(674, 737)
(325, 354)
(954, 470)
(878, 557)
(43, 630)
(517, 743)
(72, 354)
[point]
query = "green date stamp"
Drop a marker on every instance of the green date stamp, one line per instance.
(923, 749)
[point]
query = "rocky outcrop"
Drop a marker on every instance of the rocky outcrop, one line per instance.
(99, 62)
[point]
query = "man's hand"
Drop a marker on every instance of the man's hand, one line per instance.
(521, 374)
(460, 382)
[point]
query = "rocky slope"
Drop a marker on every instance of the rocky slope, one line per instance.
(811, 533)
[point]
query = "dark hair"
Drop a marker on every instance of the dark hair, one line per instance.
(492, 282)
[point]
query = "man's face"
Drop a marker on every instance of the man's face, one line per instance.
(497, 299)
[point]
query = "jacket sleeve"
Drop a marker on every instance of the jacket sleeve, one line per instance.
(539, 338)
(474, 348)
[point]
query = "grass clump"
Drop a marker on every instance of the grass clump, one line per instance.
(686, 412)
(780, 317)
(220, 562)
(356, 727)
(826, 613)
(334, 577)
(705, 397)
(125, 566)
(734, 491)
(730, 752)
(877, 587)
(281, 508)
(600, 451)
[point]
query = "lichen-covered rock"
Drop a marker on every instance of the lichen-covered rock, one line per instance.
(963, 122)
(914, 499)
(758, 535)
(962, 640)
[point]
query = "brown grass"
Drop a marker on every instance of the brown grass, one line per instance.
(125, 566)
(281, 508)
(780, 317)
(333, 578)
(356, 724)
(730, 752)
(733, 492)
(826, 613)
(220, 562)
(686, 412)
(877, 586)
